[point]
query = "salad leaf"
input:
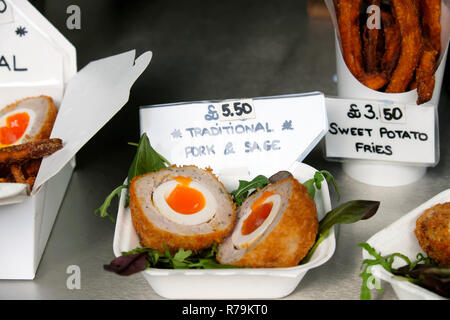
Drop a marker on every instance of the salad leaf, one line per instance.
(126, 265)
(103, 209)
(279, 176)
(316, 183)
(423, 271)
(145, 160)
(429, 276)
(349, 212)
(241, 193)
(139, 259)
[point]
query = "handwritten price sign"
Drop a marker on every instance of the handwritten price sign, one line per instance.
(261, 135)
(371, 130)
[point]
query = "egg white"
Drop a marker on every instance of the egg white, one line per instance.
(32, 115)
(163, 191)
(243, 241)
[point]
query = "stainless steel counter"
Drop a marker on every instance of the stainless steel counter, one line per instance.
(213, 50)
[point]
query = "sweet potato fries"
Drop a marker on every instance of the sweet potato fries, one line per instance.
(399, 54)
(20, 163)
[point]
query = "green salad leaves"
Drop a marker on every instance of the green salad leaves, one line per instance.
(346, 213)
(242, 192)
(103, 209)
(140, 259)
(316, 183)
(423, 272)
(145, 160)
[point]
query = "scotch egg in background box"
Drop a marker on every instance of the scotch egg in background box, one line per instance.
(387, 173)
(35, 60)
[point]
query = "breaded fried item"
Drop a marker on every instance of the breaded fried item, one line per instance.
(349, 30)
(408, 21)
(26, 126)
(431, 33)
(17, 173)
(371, 39)
(392, 43)
(433, 233)
(180, 207)
(41, 113)
(374, 81)
(348, 20)
(413, 84)
(29, 150)
(425, 77)
(279, 238)
(431, 21)
(31, 167)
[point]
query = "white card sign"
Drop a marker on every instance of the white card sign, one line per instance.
(376, 130)
(283, 129)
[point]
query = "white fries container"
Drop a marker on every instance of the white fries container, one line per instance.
(383, 173)
(239, 283)
(400, 237)
(27, 217)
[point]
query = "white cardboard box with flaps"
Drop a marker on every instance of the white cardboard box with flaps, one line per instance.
(38, 60)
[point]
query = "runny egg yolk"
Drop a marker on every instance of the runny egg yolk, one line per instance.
(260, 212)
(184, 199)
(16, 125)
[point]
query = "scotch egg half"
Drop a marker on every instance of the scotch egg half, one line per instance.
(185, 201)
(15, 126)
(256, 219)
(277, 227)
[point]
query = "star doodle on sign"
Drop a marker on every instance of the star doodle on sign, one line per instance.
(176, 134)
(21, 31)
(287, 125)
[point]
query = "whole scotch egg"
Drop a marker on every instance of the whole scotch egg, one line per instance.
(180, 207)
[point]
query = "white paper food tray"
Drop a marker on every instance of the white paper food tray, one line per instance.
(251, 283)
(87, 100)
(400, 237)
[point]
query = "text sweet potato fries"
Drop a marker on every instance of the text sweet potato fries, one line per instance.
(401, 53)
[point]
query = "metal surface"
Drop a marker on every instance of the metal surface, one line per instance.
(204, 50)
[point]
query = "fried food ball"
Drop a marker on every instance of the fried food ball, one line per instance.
(180, 207)
(280, 237)
(433, 233)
